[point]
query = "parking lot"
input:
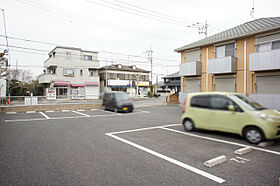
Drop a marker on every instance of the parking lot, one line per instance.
(146, 147)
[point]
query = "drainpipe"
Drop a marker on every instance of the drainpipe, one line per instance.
(245, 66)
(206, 69)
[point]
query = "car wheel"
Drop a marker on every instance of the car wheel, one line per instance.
(188, 125)
(253, 135)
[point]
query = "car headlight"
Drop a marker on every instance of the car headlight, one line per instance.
(266, 117)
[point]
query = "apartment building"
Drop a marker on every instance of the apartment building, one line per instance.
(243, 59)
(71, 73)
(173, 82)
(130, 79)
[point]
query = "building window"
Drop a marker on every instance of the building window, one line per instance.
(276, 45)
(225, 50)
(68, 72)
(68, 55)
(92, 73)
(87, 58)
(230, 49)
(81, 72)
(264, 47)
(220, 51)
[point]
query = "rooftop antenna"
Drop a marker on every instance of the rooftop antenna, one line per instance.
(253, 10)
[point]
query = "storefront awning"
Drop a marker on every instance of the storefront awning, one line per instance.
(61, 83)
(92, 83)
(77, 85)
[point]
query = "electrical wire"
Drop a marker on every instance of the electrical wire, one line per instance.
(89, 20)
(52, 44)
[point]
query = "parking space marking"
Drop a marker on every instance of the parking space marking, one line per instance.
(45, 115)
(141, 129)
(221, 141)
(171, 160)
(80, 113)
(30, 112)
(11, 112)
(65, 111)
(50, 111)
(71, 117)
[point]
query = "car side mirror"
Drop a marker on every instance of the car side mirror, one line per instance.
(231, 108)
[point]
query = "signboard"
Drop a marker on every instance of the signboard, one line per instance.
(143, 84)
(113, 82)
(51, 93)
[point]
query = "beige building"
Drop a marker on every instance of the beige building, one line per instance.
(243, 59)
(71, 73)
(130, 79)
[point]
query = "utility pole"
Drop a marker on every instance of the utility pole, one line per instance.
(150, 59)
(8, 51)
(202, 28)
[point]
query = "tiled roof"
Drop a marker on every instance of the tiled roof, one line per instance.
(123, 68)
(246, 29)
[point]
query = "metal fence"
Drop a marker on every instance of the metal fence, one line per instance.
(23, 100)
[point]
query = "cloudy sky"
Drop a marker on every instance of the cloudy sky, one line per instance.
(119, 29)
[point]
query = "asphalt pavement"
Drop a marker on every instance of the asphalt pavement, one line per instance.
(146, 147)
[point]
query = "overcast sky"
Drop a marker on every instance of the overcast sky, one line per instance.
(120, 26)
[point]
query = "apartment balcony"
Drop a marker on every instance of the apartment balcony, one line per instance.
(222, 65)
(190, 68)
(47, 78)
(261, 61)
(173, 83)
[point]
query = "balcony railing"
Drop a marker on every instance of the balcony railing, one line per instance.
(269, 60)
(47, 78)
(222, 65)
(190, 69)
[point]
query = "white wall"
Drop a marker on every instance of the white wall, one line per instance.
(3, 87)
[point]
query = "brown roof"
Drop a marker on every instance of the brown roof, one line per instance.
(124, 68)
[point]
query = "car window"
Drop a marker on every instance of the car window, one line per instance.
(200, 101)
(218, 102)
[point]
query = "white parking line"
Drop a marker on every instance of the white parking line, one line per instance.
(50, 111)
(221, 141)
(30, 112)
(47, 117)
(171, 160)
(74, 117)
(81, 110)
(80, 113)
(11, 112)
(141, 129)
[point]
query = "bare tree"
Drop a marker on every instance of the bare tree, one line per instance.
(20, 75)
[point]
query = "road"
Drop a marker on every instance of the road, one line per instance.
(146, 147)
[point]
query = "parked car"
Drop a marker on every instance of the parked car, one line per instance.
(230, 112)
(117, 101)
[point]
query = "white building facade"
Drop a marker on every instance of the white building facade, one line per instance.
(3, 80)
(130, 79)
(71, 73)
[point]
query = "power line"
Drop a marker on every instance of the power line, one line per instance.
(165, 15)
(142, 13)
(52, 44)
(85, 19)
(62, 55)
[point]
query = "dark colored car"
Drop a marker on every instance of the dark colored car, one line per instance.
(117, 101)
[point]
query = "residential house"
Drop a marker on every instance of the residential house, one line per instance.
(71, 73)
(130, 79)
(172, 82)
(243, 59)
